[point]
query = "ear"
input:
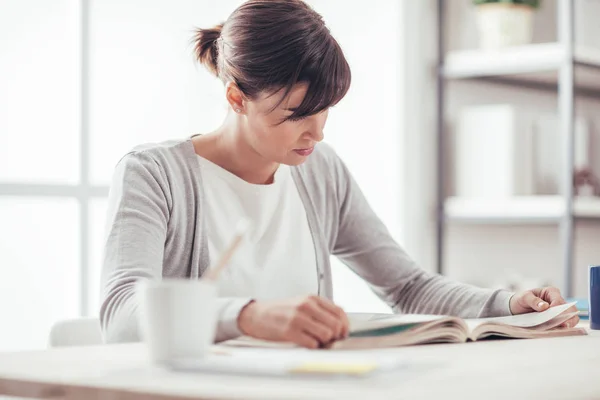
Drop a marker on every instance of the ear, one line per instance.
(235, 97)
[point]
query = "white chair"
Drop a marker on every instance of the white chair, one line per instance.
(75, 332)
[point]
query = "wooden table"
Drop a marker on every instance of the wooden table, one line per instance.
(557, 368)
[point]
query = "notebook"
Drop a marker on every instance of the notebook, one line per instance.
(369, 331)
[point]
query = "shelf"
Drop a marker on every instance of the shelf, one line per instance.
(518, 210)
(534, 65)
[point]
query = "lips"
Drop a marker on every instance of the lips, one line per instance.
(304, 152)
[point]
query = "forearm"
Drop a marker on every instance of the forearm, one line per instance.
(425, 293)
(120, 323)
(229, 309)
(118, 315)
(366, 246)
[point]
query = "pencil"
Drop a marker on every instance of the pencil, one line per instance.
(240, 231)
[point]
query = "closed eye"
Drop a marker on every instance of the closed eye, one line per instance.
(296, 119)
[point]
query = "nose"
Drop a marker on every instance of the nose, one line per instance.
(317, 134)
(316, 128)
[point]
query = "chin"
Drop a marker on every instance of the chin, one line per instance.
(294, 160)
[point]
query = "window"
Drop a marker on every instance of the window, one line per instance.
(39, 156)
(109, 75)
(39, 94)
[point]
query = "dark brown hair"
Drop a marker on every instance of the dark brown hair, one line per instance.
(270, 45)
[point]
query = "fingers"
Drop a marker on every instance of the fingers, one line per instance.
(573, 321)
(338, 314)
(319, 331)
(532, 301)
(551, 295)
(305, 340)
(322, 315)
(320, 319)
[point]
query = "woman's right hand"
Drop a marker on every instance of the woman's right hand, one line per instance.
(310, 321)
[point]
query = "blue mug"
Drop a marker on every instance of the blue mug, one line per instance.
(594, 296)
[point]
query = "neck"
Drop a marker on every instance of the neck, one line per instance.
(235, 154)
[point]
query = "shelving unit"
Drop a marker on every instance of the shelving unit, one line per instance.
(561, 67)
(534, 66)
(518, 210)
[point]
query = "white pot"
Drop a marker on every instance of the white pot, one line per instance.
(503, 25)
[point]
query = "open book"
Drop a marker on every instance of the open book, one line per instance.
(389, 330)
(369, 331)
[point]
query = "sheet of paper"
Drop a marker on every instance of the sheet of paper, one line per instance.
(523, 320)
(284, 362)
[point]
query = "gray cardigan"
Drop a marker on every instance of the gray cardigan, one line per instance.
(155, 229)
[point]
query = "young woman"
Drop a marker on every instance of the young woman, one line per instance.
(174, 205)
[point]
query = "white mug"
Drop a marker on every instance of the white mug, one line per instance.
(178, 318)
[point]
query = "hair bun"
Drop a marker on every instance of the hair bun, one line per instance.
(206, 47)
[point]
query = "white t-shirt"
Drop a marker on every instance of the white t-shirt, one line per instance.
(277, 258)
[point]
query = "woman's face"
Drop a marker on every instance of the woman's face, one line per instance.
(290, 142)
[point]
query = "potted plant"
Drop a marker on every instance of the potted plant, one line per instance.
(503, 23)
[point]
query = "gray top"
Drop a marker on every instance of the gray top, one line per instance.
(156, 228)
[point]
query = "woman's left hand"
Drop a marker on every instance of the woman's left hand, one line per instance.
(540, 300)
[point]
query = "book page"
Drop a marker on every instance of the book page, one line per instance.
(361, 321)
(524, 320)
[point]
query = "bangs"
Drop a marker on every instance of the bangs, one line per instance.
(328, 76)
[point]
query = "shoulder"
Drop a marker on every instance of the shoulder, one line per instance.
(324, 154)
(326, 164)
(166, 151)
(324, 158)
(166, 163)
(165, 156)
(325, 176)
